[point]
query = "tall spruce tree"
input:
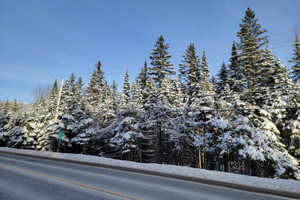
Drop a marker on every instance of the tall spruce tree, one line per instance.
(97, 81)
(126, 87)
(52, 100)
(202, 102)
(189, 70)
(115, 96)
(143, 75)
(266, 79)
(161, 66)
(205, 75)
(176, 95)
(222, 78)
(235, 72)
(251, 41)
(296, 61)
(137, 95)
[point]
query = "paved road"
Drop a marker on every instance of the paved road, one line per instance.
(31, 178)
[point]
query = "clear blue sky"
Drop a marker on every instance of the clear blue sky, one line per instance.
(44, 40)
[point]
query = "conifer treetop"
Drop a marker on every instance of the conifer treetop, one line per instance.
(126, 86)
(296, 61)
(251, 41)
(162, 67)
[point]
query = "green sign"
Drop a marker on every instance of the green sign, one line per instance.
(60, 135)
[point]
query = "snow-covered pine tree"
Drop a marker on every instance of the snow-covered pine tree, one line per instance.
(38, 120)
(292, 127)
(5, 114)
(3, 129)
(282, 88)
(222, 78)
(176, 95)
(97, 81)
(123, 136)
(6, 108)
(161, 66)
(143, 76)
(115, 96)
(251, 41)
(202, 108)
(296, 61)
(52, 100)
(266, 81)
(66, 98)
(15, 107)
(224, 103)
(79, 132)
(137, 95)
(189, 71)
(163, 119)
(105, 111)
(16, 129)
(213, 81)
(164, 91)
(204, 74)
(235, 71)
(258, 152)
(78, 93)
(253, 143)
(203, 102)
(126, 88)
(149, 126)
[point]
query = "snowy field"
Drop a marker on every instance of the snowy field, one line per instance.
(273, 184)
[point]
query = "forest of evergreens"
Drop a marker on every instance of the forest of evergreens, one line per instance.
(245, 120)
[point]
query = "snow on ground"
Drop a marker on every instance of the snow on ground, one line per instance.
(274, 184)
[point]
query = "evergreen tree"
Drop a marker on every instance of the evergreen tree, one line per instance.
(54, 89)
(66, 98)
(79, 90)
(203, 102)
(251, 40)
(205, 75)
(3, 129)
(164, 91)
(106, 106)
(15, 107)
(137, 95)
(235, 72)
(6, 107)
(292, 129)
(126, 87)
(266, 79)
(282, 81)
(38, 121)
(176, 95)
(52, 100)
(222, 78)
(143, 76)
(73, 83)
(150, 94)
(162, 67)
(115, 96)
(189, 70)
(296, 61)
(97, 81)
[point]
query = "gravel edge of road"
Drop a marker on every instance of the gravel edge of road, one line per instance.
(173, 176)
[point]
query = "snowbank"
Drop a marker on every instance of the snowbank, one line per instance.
(273, 184)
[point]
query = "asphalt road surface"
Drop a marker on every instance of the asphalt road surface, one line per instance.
(23, 178)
